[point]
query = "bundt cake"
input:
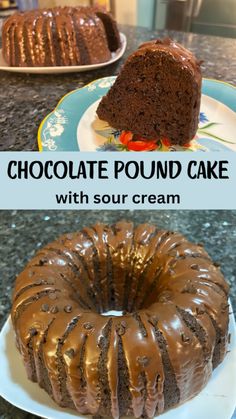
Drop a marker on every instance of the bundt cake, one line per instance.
(157, 94)
(59, 37)
(160, 351)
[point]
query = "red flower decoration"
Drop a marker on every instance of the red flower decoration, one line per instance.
(166, 142)
(137, 143)
(187, 145)
(126, 137)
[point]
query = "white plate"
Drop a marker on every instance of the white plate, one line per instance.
(217, 400)
(65, 69)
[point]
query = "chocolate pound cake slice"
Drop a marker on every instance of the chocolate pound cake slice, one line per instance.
(157, 93)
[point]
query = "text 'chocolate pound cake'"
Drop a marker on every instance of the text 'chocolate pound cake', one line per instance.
(59, 37)
(157, 93)
(159, 353)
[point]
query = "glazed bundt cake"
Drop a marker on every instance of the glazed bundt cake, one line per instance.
(157, 94)
(161, 350)
(59, 37)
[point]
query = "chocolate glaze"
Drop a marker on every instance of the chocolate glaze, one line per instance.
(60, 36)
(174, 331)
(176, 51)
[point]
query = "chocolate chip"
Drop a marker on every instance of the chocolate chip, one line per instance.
(88, 326)
(45, 308)
(38, 282)
(70, 353)
(216, 264)
(68, 308)
(33, 332)
(200, 245)
(143, 361)
(54, 310)
(189, 289)
(116, 229)
(229, 338)
(52, 296)
(185, 338)
(224, 307)
(200, 310)
(195, 267)
(42, 261)
(193, 289)
(153, 320)
(121, 328)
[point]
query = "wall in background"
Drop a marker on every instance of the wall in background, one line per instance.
(145, 11)
(126, 11)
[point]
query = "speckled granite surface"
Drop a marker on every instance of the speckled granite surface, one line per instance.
(22, 232)
(26, 99)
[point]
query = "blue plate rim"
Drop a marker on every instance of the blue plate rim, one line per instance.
(208, 89)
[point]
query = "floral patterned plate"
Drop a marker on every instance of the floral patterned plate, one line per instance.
(74, 125)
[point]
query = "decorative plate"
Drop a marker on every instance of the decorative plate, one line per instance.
(217, 400)
(65, 69)
(74, 125)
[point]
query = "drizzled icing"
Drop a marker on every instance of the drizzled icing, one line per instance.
(60, 36)
(172, 297)
(176, 51)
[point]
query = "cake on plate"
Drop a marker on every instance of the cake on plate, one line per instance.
(160, 351)
(67, 36)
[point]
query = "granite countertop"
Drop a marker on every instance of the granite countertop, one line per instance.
(23, 232)
(25, 100)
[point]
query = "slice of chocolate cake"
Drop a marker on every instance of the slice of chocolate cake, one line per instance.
(157, 93)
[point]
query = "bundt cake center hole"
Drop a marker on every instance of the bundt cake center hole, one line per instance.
(117, 313)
